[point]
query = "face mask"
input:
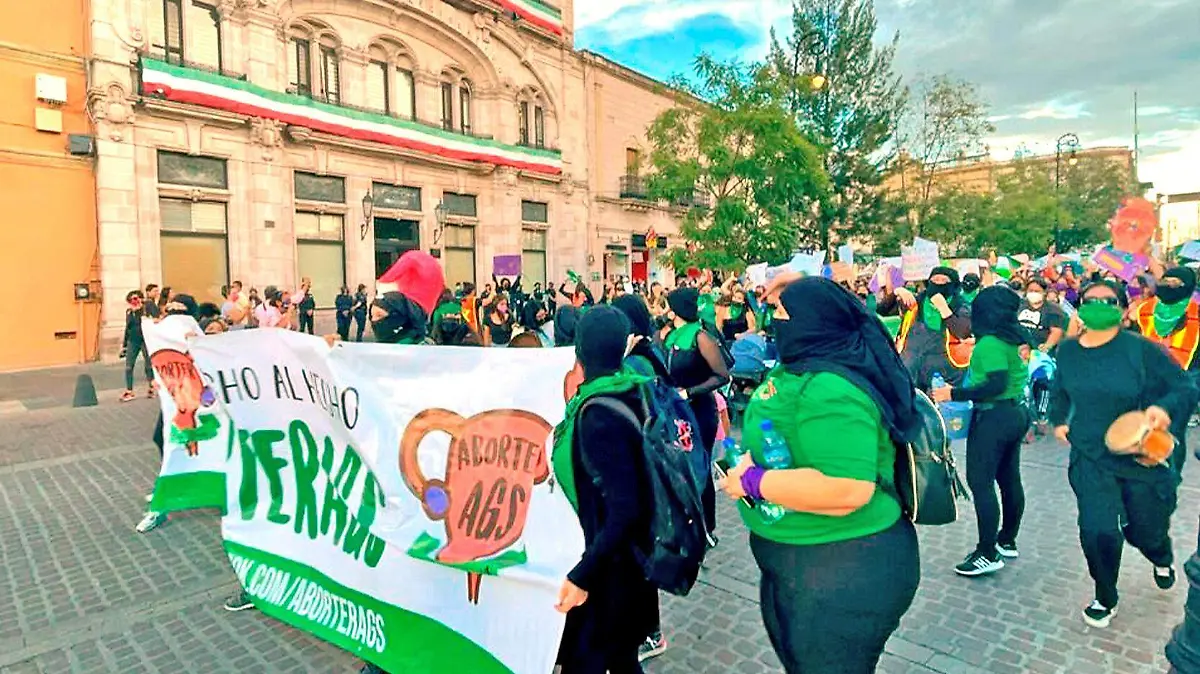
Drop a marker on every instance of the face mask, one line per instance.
(1099, 316)
(944, 289)
(1171, 295)
(1035, 298)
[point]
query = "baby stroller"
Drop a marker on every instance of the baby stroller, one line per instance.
(750, 366)
(1042, 369)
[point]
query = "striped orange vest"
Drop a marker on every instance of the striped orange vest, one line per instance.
(1182, 342)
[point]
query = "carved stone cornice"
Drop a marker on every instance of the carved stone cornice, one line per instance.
(112, 108)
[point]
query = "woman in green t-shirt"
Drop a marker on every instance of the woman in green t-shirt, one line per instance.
(841, 566)
(995, 382)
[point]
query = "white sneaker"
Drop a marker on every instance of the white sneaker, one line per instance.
(150, 522)
(1098, 615)
(149, 497)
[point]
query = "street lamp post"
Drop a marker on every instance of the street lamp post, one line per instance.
(440, 214)
(1068, 142)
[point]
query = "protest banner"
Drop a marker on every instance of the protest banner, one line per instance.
(506, 265)
(808, 264)
(919, 259)
(365, 486)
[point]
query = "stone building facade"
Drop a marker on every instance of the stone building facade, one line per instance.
(270, 140)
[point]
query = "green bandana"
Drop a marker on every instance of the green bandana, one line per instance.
(969, 297)
(736, 311)
(930, 316)
(683, 337)
(1167, 316)
(561, 457)
(706, 306)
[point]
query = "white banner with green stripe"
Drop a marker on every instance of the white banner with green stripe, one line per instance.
(395, 501)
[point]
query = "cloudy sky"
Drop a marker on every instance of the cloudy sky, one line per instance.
(1046, 67)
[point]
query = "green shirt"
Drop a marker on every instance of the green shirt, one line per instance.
(446, 309)
(992, 354)
(830, 425)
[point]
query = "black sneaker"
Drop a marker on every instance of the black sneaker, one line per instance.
(1098, 615)
(1164, 577)
(239, 601)
(368, 668)
(654, 646)
(1008, 550)
(978, 565)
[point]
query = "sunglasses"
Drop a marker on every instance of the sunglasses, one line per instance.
(1110, 301)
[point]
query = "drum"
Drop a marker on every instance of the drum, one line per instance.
(1131, 434)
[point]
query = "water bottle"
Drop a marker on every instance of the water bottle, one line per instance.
(776, 456)
(938, 381)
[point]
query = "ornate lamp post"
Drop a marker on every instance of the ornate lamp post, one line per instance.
(1068, 143)
(440, 214)
(368, 204)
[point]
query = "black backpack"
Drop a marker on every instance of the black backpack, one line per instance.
(674, 546)
(926, 481)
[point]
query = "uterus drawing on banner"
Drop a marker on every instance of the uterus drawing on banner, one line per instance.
(493, 462)
(167, 343)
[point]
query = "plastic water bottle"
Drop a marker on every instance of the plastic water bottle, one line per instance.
(937, 382)
(777, 456)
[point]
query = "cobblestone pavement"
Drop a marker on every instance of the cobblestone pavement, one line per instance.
(88, 595)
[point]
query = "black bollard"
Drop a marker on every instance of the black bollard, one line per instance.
(85, 392)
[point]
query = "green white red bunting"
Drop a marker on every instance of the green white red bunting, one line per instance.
(188, 85)
(537, 13)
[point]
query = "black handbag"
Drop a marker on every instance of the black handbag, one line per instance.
(926, 480)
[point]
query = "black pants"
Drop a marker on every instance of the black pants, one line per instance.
(704, 406)
(132, 351)
(994, 459)
(343, 323)
(306, 322)
(361, 320)
(157, 437)
(1114, 509)
(829, 609)
(1183, 650)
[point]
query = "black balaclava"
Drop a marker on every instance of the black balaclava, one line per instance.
(638, 314)
(190, 308)
(405, 323)
(529, 312)
(995, 313)
(947, 290)
(971, 283)
(1184, 292)
(840, 336)
(566, 319)
(685, 303)
(601, 340)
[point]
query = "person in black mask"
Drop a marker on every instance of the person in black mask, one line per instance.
(565, 320)
(996, 384)
(840, 567)
(1171, 319)
(395, 319)
(970, 287)
(936, 329)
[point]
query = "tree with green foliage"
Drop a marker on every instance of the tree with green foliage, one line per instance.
(845, 95)
(738, 151)
(1090, 192)
(1023, 211)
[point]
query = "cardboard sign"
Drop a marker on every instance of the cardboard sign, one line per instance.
(919, 259)
(846, 254)
(1126, 266)
(756, 274)
(506, 265)
(841, 271)
(807, 264)
(888, 270)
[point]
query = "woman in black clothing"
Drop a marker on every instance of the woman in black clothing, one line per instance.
(735, 319)
(134, 345)
(642, 325)
(608, 602)
(1102, 375)
(698, 369)
(566, 319)
(343, 305)
(996, 384)
(498, 323)
(361, 304)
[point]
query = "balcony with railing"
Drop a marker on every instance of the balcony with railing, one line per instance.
(634, 187)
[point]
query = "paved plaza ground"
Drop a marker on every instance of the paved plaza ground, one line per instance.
(87, 595)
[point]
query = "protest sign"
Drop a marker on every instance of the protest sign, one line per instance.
(365, 486)
(918, 260)
(888, 269)
(808, 264)
(756, 274)
(965, 267)
(1190, 250)
(506, 265)
(846, 254)
(840, 271)
(1124, 265)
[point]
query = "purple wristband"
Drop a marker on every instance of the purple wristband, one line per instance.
(752, 482)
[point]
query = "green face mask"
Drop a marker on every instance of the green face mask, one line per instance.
(1098, 316)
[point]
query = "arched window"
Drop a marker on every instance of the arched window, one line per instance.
(314, 61)
(531, 118)
(456, 102)
(391, 87)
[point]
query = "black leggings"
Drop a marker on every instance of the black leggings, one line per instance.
(132, 351)
(994, 458)
(343, 327)
(1114, 509)
(306, 322)
(704, 406)
(829, 609)
(361, 321)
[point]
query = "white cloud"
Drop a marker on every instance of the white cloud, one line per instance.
(1056, 110)
(626, 20)
(1176, 170)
